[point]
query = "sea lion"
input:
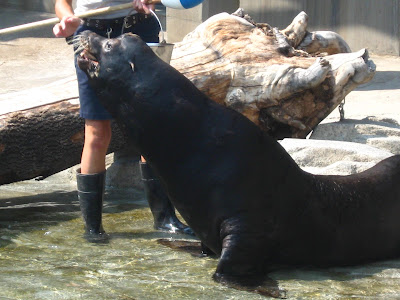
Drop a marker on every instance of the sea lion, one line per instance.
(236, 187)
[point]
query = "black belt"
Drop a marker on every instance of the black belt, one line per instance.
(104, 24)
(117, 23)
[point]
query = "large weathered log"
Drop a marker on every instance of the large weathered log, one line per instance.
(255, 69)
(38, 141)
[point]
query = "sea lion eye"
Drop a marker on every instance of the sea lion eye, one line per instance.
(107, 46)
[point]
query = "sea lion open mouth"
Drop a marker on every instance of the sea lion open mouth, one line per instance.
(86, 59)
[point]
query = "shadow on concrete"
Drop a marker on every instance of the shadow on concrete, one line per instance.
(383, 80)
(10, 17)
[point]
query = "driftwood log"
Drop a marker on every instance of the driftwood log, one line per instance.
(41, 132)
(267, 75)
(270, 76)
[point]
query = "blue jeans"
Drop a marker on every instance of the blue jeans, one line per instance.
(90, 107)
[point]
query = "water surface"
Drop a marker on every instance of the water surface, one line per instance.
(44, 256)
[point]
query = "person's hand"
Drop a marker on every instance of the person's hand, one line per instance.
(143, 6)
(67, 26)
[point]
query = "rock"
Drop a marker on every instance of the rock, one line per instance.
(333, 157)
(382, 133)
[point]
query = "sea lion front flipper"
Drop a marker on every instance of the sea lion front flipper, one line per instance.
(241, 267)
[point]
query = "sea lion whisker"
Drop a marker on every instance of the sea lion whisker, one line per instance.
(80, 42)
(76, 43)
(76, 40)
(79, 49)
(77, 37)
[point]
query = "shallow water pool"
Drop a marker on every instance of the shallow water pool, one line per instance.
(44, 256)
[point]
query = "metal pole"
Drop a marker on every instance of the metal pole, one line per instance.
(95, 12)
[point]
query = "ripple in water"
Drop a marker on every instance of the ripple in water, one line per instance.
(44, 256)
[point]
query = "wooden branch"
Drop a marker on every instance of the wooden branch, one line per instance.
(296, 31)
(51, 21)
(39, 141)
(327, 42)
(255, 70)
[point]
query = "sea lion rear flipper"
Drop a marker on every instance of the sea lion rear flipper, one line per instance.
(192, 247)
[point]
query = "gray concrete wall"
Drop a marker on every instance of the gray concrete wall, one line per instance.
(35, 5)
(374, 24)
(181, 22)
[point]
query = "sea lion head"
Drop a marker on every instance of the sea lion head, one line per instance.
(119, 68)
(103, 58)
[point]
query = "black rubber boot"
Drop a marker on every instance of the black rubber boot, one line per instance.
(90, 195)
(161, 207)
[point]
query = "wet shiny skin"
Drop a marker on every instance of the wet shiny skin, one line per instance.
(238, 189)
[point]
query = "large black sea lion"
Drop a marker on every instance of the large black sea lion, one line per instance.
(236, 187)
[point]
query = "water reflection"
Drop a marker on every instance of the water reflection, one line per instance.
(44, 256)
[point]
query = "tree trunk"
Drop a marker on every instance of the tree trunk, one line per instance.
(39, 141)
(268, 75)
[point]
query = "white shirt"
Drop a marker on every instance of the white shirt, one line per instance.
(86, 5)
